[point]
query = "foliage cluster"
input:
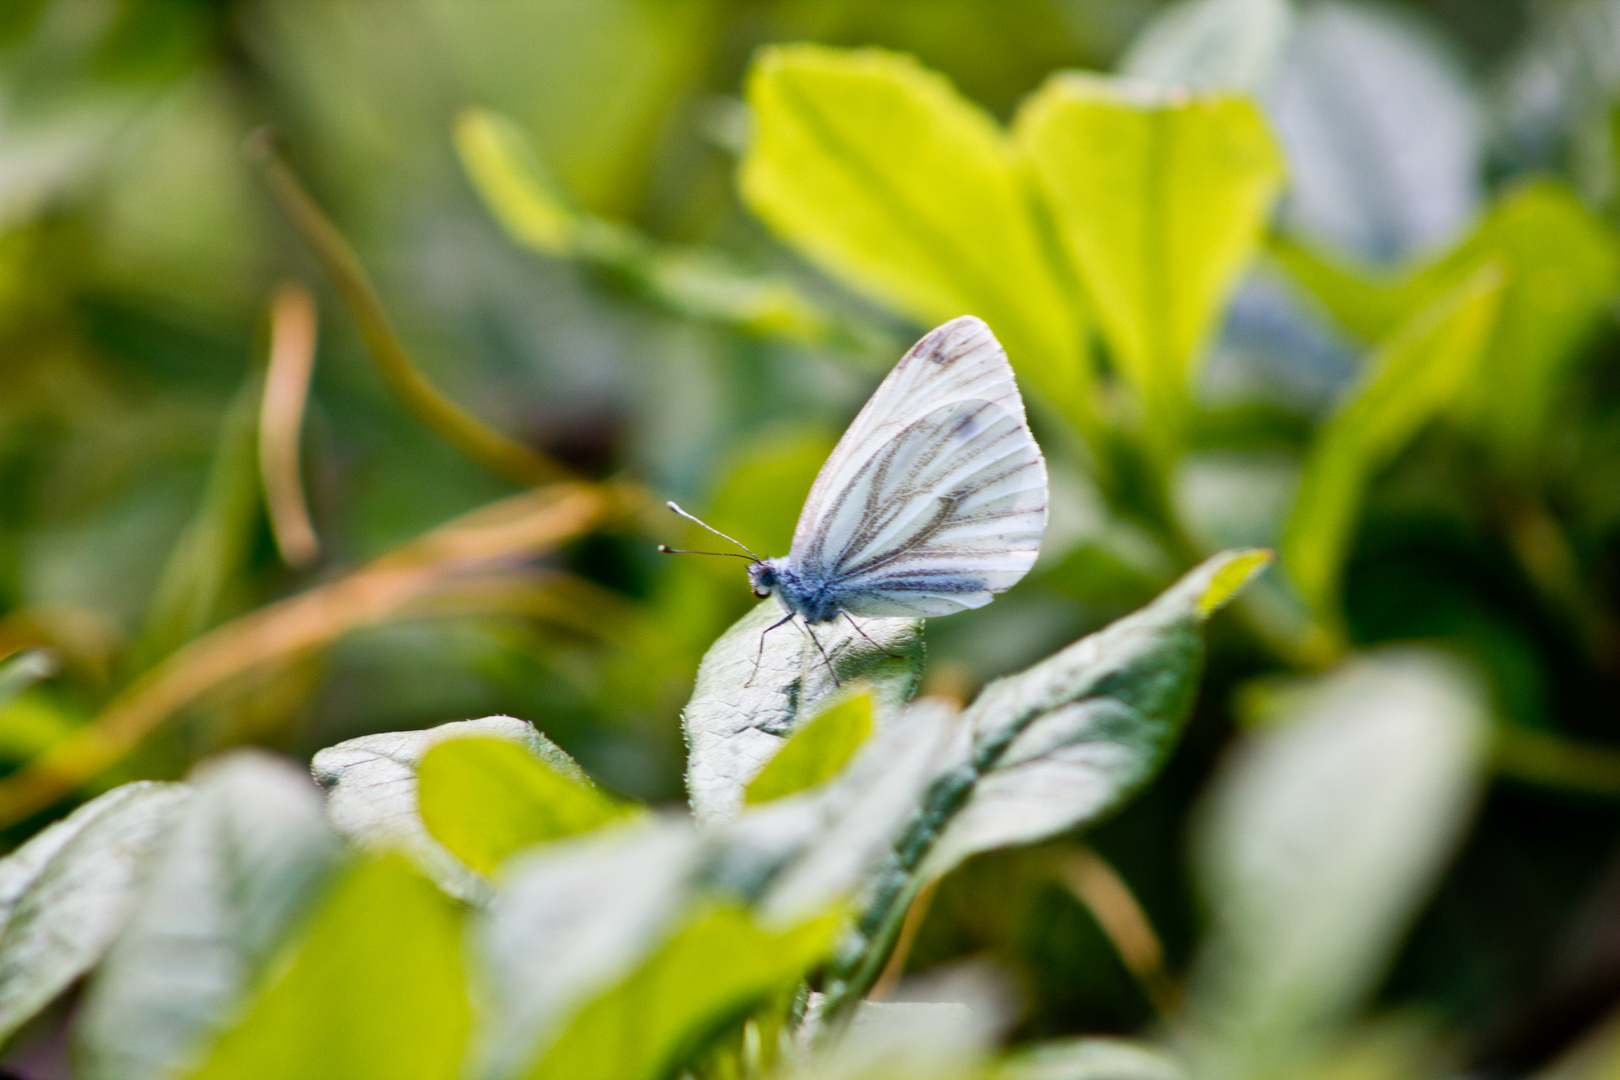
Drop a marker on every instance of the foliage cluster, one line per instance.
(1284, 280)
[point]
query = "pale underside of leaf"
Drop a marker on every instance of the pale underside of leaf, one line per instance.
(371, 793)
(739, 718)
(66, 894)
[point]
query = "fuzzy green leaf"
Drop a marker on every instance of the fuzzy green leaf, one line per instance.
(67, 893)
(1416, 374)
(485, 798)
(739, 717)
(1213, 45)
(1323, 834)
(239, 862)
(1562, 266)
(1160, 199)
(1091, 1059)
(374, 991)
(881, 173)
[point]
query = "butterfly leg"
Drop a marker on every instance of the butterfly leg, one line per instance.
(759, 656)
(869, 641)
(825, 658)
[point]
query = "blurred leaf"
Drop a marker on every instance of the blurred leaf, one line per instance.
(824, 847)
(212, 549)
(1416, 374)
(1049, 749)
(905, 1040)
(513, 182)
(374, 990)
(485, 798)
(1187, 183)
(66, 894)
(239, 862)
(1562, 266)
(816, 752)
(753, 692)
(712, 969)
(1213, 45)
(22, 670)
(1322, 836)
(1385, 141)
(371, 791)
(1091, 1059)
(572, 920)
(700, 283)
(878, 171)
(759, 497)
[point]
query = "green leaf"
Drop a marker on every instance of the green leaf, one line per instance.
(66, 893)
(877, 170)
(573, 919)
(815, 753)
(740, 715)
(1071, 738)
(712, 970)
(193, 588)
(485, 798)
(1562, 267)
(1413, 376)
(374, 991)
(1091, 1059)
(1160, 199)
(1323, 834)
(1213, 45)
(514, 184)
(699, 283)
(22, 670)
(240, 860)
(1047, 750)
(371, 792)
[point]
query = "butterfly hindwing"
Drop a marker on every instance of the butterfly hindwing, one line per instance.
(935, 499)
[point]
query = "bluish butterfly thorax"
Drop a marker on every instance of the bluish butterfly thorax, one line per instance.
(816, 601)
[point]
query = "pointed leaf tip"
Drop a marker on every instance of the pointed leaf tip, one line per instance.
(1231, 577)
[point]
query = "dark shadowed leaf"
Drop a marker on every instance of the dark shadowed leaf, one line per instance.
(1322, 835)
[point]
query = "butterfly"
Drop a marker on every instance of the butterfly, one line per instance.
(932, 502)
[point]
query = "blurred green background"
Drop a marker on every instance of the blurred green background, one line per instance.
(140, 248)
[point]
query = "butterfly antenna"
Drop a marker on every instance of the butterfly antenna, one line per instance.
(714, 530)
(665, 549)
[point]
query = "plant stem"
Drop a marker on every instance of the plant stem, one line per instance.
(477, 440)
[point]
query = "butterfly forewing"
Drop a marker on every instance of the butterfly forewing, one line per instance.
(935, 499)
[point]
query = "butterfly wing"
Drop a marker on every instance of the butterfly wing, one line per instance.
(935, 498)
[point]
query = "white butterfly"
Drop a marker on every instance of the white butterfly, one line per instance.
(932, 502)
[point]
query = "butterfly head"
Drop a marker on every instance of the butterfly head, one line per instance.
(763, 577)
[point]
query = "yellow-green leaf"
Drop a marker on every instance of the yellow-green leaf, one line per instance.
(486, 798)
(816, 752)
(1419, 372)
(375, 991)
(512, 181)
(877, 170)
(710, 971)
(1160, 199)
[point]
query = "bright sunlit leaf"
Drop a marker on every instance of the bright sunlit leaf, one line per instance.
(1160, 199)
(816, 752)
